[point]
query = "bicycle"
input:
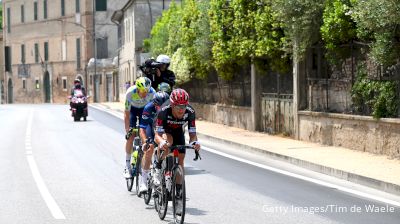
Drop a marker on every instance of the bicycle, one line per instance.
(136, 160)
(167, 191)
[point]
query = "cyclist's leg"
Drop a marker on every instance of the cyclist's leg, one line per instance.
(148, 154)
(180, 140)
(129, 142)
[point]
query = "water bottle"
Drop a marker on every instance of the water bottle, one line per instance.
(133, 162)
(168, 180)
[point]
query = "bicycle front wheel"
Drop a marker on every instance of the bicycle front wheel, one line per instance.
(178, 196)
(138, 173)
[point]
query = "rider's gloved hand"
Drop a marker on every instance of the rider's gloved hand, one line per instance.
(196, 145)
(145, 147)
(164, 145)
(129, 133)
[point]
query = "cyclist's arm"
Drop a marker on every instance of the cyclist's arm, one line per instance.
(159, 128)
(143, 123)
(192, 125)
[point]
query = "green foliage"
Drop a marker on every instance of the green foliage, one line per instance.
(160, 41)
(180, 65)
(195, 36)
(377, 21)
(378, 96)
(243, 30)
(221, 20)
(338, 28)
(301, 20)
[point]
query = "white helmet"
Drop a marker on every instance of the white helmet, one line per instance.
(162, 58)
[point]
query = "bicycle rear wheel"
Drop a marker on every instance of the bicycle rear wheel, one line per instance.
(178, 197)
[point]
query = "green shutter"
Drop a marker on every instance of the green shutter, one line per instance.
(101, 5)
(8, 20)
(36, 53)
(62, 7)
(35, 11)
(46, 51)
(77, 6)
(22, 14)
(78, 53)
(45, 9)
(23, 53)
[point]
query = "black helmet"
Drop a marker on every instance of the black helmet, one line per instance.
(160, 97)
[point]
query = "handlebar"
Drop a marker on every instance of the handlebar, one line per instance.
(171, 148)
(130, 132)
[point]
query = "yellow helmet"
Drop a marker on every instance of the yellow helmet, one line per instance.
(143, 84)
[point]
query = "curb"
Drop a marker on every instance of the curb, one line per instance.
(352, 177)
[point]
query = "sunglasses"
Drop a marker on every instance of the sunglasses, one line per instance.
(180, 107)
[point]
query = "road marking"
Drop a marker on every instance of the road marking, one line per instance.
(309, 179)
(284, 172)
(49, 200)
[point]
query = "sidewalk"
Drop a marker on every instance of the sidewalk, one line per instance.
(368, 169)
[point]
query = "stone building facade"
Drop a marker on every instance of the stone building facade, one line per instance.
(46, 45)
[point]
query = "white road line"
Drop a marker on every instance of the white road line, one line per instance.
(284, 172)
(319, 182)
(51, 203)
(49, 200)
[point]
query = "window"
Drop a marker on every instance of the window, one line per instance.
(37, 86)
(7, 54)
(23, 84)
(62, 7)
(46, 51)
(22, 14)
(64, 83)
(36, 53)
(102, 48)
(77, 6)
(101, 5)
(35, 11)
(8, 20)
(44, 9)
(78, 53)
(23, 53)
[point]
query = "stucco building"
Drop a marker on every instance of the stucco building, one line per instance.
(135, 20)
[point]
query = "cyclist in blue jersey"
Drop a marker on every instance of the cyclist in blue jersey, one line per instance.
(137, 97)
(147, 131)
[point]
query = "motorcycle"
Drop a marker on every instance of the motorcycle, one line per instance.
(79, 106)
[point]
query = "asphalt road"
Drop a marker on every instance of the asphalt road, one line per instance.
(54, 170)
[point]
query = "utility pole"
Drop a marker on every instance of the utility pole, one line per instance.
(94, 50)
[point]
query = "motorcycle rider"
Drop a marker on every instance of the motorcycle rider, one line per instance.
(78, 89)
(77, 86)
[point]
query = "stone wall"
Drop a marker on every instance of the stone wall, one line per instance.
(350, 131)
(234, 116)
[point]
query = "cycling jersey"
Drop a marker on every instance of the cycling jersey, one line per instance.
(147, 121)
(167, 123)
(133, 99)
